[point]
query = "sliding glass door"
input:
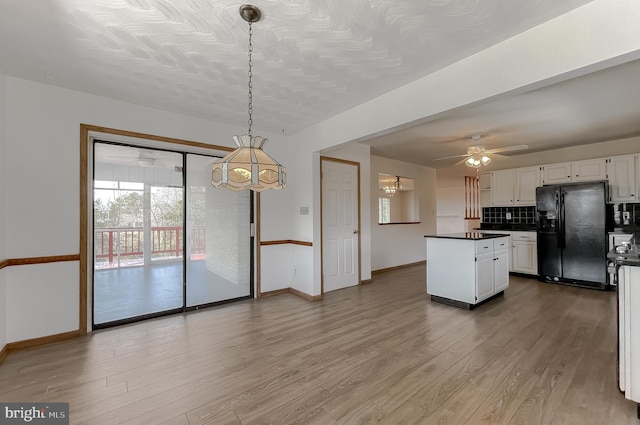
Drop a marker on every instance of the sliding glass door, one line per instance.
(218, 238)
(138, 232)
(164, 240)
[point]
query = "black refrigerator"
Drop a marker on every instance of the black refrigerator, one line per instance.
(572, 236)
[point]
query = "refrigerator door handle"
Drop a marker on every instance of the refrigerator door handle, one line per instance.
(561, 236)
(559, 221)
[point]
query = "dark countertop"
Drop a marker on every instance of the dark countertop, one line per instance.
(470, 236)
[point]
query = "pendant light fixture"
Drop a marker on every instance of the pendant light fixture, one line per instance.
(248, 166)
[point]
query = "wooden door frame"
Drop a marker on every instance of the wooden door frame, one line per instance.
(87, 131)
(357, 165)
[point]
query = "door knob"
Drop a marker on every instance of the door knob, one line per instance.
(355, 232)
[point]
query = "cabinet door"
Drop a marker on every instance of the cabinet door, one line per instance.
(527, 179)
(621, 172)
(484, 181)
(501, 271)
(502, 185)
(589, 170)
(556, 173)
(524, 257)
(485, 198)
(484, 276)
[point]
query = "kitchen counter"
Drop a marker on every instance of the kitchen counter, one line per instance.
(467, 269)
(624, 259)
(629, 258)
(471, 236)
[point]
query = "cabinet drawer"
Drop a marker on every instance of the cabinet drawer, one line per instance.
(484, 246)
(500, 244)
(524, 236)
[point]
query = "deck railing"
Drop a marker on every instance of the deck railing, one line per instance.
(117, 245)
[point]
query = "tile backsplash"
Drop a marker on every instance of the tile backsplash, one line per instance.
(518, 215)
(619, 214)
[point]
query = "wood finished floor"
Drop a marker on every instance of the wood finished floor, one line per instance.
(378, 353)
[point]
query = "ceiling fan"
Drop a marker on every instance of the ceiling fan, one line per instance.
(137, 156)
(478, 155)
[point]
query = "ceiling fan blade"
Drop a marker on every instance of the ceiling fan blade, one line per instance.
(498, 156)
(462, 161)
(508, 148)
(453, 156)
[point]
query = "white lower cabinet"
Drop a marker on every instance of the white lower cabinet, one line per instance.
(523, 249)
(524, 253)
(492, 268)
(501, 271)
(484, 276)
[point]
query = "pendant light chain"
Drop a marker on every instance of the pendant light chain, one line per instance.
(250, 122)
(249, 167)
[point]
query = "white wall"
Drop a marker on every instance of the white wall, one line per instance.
(3, 211)
(398, 244)
(41, 206)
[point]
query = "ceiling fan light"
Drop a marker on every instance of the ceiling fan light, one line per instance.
(485, 160)
(469, 161)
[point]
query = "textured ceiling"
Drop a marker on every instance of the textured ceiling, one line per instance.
(312, 59)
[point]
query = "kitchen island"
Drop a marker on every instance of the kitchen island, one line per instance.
(627, 260)
(467, 269)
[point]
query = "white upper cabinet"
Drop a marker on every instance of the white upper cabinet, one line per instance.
(577, 171)
(621, 172)
(527, 179)
(484, 184)
(517, 186)
(514, 187)
(556, 173)
(502, 187)
(484, 181)
(589, 170)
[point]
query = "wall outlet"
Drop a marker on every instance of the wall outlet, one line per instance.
(508, 216)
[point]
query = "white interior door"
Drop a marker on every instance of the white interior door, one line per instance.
(340, 225)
